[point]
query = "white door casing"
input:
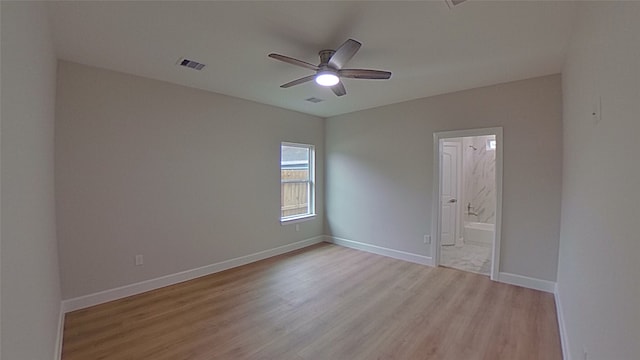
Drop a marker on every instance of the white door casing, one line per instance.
(437, 208)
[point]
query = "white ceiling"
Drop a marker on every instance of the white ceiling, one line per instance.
(430, 48)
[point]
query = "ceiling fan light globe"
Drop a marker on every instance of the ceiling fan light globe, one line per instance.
(327, 78)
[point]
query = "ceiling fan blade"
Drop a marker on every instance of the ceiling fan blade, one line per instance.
(339, 89)
(364, 74)
(298, 81)
(344, 53)
(293, 61)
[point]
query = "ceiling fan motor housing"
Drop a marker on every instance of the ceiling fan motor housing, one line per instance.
(325, 55)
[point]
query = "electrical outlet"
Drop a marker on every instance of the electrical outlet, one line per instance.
(297, 227)
(427, 239)
(139, 260)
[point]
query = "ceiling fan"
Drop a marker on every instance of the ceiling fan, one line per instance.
(331, 68)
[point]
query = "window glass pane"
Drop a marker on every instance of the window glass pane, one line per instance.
(294, 163)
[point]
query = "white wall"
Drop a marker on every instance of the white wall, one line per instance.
(599, 263)
(185, 177)
(30, 291)
(379, 170)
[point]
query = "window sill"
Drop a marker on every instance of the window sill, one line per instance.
(297, 219)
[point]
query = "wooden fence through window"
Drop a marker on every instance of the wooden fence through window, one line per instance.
(294, 192)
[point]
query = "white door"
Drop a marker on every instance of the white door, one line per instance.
(449, 193)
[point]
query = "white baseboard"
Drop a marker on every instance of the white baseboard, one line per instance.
(564, 340)
(58, 350)
(152, 284)
(396, 254)
(528, 282)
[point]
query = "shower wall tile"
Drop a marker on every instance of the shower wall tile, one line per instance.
(479, 187)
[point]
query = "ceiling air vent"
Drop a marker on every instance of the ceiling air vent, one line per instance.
(314, 100)
(452, 3)
(190, 64)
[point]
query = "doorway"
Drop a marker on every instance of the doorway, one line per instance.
(467, 206)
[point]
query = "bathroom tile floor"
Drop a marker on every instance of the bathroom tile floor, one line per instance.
(468, 257)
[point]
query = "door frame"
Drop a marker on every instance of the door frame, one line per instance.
(437, 206)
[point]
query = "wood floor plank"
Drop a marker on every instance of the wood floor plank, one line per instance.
(322, 302)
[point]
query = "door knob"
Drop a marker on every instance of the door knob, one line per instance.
(453, 201)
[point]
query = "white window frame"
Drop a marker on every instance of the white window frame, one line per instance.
(311, 184)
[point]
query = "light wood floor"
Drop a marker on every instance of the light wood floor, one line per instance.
(322, 302)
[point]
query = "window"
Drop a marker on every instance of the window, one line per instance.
(297, 181)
